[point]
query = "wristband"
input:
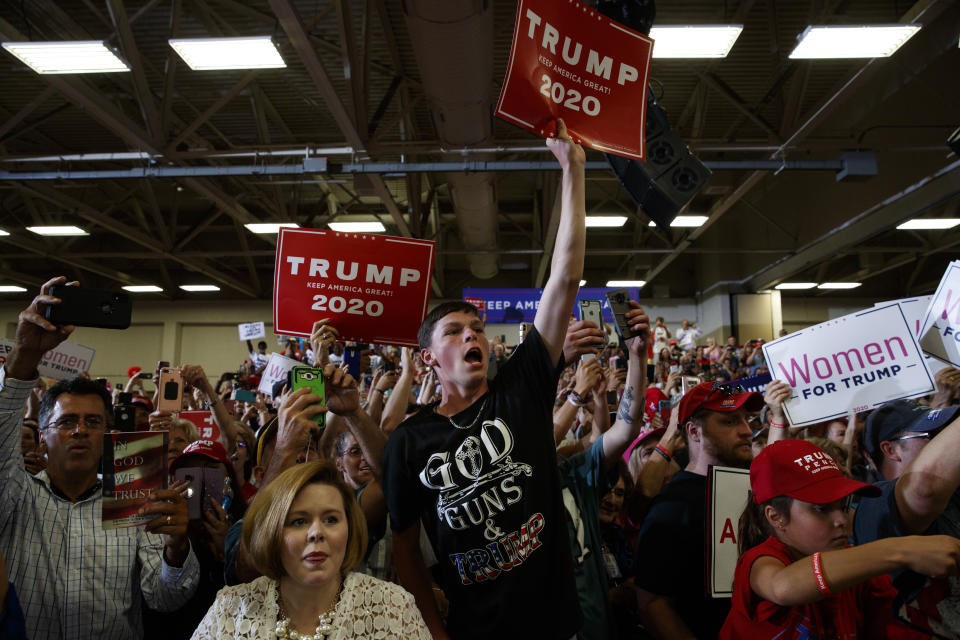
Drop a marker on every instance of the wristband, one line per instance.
(375, 389)
(578, 405)
(577, 398)
(818, 574)
(777, 424)
(663, 452)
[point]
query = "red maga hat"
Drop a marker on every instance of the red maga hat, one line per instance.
(716, 396)
(801, 470)
(207, 448)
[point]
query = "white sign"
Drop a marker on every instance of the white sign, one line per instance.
(66, 361)
(251, 330)
(914, 309)
(940, 329)
(276, 370)
(727, 489)
(855, 362)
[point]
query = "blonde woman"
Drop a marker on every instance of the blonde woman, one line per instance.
(306, 534)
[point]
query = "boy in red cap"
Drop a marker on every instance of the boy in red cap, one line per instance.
(796, 578)
(674, 602)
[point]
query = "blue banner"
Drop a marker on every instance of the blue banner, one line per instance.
(513, 306)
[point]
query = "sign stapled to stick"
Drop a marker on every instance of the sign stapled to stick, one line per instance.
(374, 288)
(569, 61)
(855, 362)
(940, 328)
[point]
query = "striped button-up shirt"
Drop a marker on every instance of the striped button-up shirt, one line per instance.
(73, 579)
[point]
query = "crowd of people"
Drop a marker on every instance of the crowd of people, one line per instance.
(469, 489)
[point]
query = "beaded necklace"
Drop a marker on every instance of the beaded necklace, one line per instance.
(324, 621)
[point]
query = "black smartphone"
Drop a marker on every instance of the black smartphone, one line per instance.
(230, 375)
(145, 375)
(90, 308)
(351, 356)
(205, 483)
(619, 300)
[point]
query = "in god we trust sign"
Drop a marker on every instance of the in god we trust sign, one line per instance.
(374, 288)
(569, 61)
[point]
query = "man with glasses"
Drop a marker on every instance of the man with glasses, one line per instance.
(74, 579)
(713, 420)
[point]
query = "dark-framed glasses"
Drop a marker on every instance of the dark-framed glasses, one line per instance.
(71, 422)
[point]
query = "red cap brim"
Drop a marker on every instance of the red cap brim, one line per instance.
(832, 489)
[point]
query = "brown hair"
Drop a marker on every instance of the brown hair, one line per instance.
(264, 520)
(754, 527)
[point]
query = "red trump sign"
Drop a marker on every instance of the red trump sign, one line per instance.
(373, 287)
(569, 61)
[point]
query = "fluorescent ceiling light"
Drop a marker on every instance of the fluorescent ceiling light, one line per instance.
(684, 221)
(626, 283)
(268, 227)
(795, 285)
(204, 54)
(65, 230)
(930, 223)
(358, 227)
(694, 40)
(11, 288)
(142, 288)
(79, 56)
(200, 287)
(860, 41)
(4, 233)
(606, 221)
(583, 282)
(838, 285)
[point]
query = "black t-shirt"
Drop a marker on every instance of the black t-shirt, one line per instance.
(671, 552)
(488, 494)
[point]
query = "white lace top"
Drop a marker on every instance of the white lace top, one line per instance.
(368, 608)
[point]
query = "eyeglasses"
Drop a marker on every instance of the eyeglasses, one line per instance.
(70, 423)
(911, 436)
(725, 388)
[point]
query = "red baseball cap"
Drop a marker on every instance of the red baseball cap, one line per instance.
(143, 401)
(208, 448)
(801, 470)
(715, 397)
(654, 398)
(649, 433)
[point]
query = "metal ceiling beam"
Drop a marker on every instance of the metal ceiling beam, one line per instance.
(728, 94)
(353, 67)
(25, 111)
(92, 266)
(128, 45)
(920, 196)
(293, 27)
(149, 242)
(928, 8)
(210, 111)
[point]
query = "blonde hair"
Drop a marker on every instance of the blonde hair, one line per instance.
(264, 520)
(189, 429)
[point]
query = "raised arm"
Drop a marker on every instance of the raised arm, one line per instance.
(566, 267)
(343, 399)
(195, 375)
(396, 406)
(926, 486)
(629, 420)
(794, 584)
(414, 576)
(774, 395)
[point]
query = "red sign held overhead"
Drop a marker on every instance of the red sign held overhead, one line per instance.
(203, 420)
(569, 61)
(374, 288)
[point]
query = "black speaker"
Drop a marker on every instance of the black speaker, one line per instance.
(669, 178)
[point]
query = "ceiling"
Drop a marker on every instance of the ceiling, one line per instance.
(356, 92)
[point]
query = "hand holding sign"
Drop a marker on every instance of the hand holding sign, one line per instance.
(322, 337)
(567, 152)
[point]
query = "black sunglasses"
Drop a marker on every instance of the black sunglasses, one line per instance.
(725, 388)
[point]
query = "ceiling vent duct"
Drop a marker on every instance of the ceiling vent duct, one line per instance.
(453, 44)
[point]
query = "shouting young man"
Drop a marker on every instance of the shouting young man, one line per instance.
(479, 469)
